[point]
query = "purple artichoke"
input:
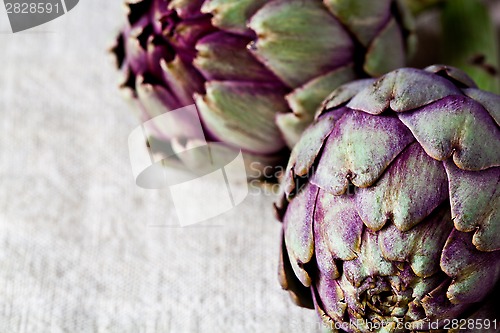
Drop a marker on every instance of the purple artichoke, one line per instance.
(391, 205)
(257, 70)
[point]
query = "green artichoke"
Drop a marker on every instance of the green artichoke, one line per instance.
(391, 204)
(257, 70)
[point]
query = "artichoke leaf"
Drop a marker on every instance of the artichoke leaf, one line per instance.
(300, 295)
(369, 262)
(490, 101)
(397, 91)
(474, 272)
(404, 203)
(243, 114)
(475, 203)
(182, 79)
(298, 231)
(330, 293)
(456, 126)
(306, 151)
(386, 52)
(344, 94)
(338, 229)
(359, 149)
(305, 101)
(185, 8)
(421, 246)
(230, 15)
(452, 73)
(223, 56)
(310, 49)
(363, 18)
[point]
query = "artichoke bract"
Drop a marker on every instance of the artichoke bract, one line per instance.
(257, 70)
(391, 204)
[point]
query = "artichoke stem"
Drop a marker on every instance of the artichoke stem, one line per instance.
(470, 42)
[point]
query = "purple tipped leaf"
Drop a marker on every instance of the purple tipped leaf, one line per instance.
(490, 101)
(298, 229)
(452, 73)
(300, 295)
(421, 246)
(305, 101)
(438, 307)
(474, 272)
(182, 79)
(306, 151)
(405, 203)
(475, 203)
(232, 16)
(243, 114)
(185, 8)
(223, 56)
(136, 53)
(184, 35)
(456, 126)
(330, 297)
(359, 149)
(344, 93)
(338, 226)
(403, 90)
(157, 100)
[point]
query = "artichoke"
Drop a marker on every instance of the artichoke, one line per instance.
(391, 204)
(257, 70)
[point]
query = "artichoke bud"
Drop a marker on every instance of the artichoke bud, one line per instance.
(257, 70)
(390, 204)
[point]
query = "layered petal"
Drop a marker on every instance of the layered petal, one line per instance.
(223, 56)
(474, 272)
(298, 231)
(386, 52)
(404, 203)
(305, 101)
(307, 150)
(364, 19)
(230, 15)
(182, 80)
(337, 226)
(456, 126)
(490, 101)
(293, 48)
(453, 74)
(345, 93)
(300, 295)
(242, 114)
(359, 149)
(397, 91)
(186, 8)
(421, 246)
(475, 204)
(369, 262)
